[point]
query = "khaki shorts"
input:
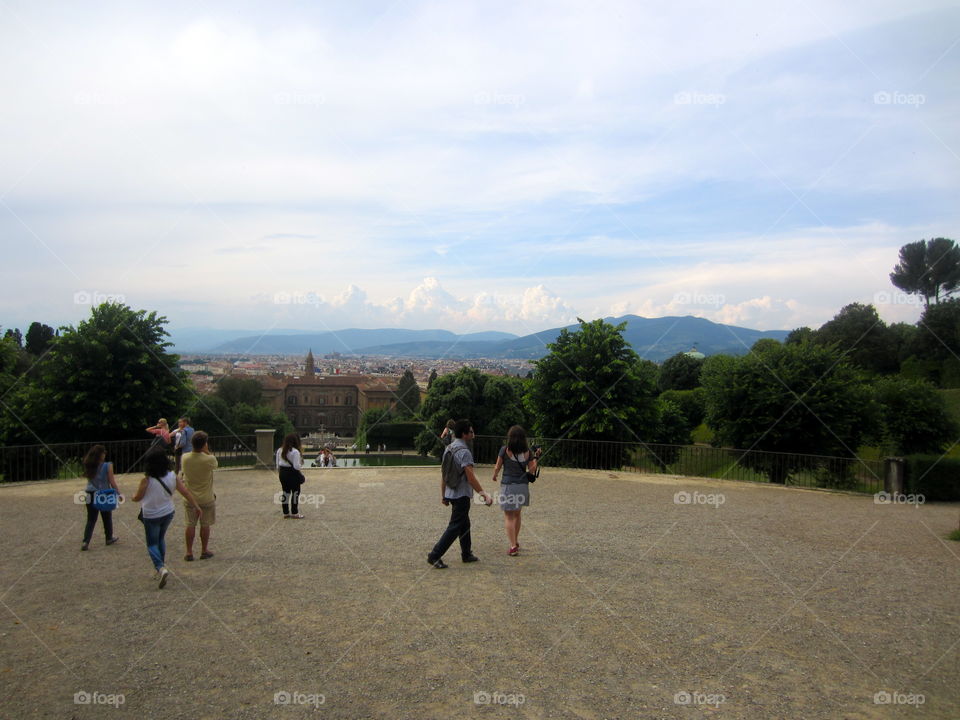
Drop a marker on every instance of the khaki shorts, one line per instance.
(209, 515)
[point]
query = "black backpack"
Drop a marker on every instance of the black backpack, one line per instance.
(450, 470)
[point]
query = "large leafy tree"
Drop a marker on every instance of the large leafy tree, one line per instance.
(799, 398)
(593, 386)
(492, 402)
(928, 268)
(858, 332)
(938, 332)
(680, 372)
(913, 417)
(106, 379)
(236, 390)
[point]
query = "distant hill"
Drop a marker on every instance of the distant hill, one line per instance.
(348, 341)
(652, 338)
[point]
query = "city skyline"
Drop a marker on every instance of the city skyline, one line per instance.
(472, 166)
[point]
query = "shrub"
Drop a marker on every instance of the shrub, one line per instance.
(933, 476)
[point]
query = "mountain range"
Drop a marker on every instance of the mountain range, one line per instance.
(652, 338)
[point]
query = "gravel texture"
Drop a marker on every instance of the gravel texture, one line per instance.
(748, 602)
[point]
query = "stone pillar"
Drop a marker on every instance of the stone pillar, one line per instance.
(265, 450)
(893, 475)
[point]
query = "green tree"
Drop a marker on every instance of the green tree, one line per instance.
(106, 379)
(799, 398)
(680, 372)
(236, 390)
(936, 345)
(928, 268)
(492, 402)
(433, 376)
(408, 395)
(593, 386)
(38, 339)
(692, 403)
(859, 333)
(673, 431)
(15, 335)
(798, 335)
(913, 417)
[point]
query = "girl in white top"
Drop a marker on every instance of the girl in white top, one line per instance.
(289, 467)
(155, 495)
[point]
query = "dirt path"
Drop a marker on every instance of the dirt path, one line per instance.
(747, 602)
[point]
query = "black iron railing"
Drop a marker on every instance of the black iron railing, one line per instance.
(813, 471)
(65, 460)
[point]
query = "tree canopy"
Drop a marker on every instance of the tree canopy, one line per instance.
(859, 333)
(108, 378)
(798, 398)
(38, 338)
(680, 372)
(928, 268)
(593, 386)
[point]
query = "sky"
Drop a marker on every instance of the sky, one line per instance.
(472, 166)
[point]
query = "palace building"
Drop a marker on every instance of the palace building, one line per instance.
(331, 403)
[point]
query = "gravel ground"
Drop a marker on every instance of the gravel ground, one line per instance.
(777, 603)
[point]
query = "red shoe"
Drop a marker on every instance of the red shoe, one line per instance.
(514, 550)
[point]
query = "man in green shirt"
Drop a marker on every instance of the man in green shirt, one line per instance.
(198, 467)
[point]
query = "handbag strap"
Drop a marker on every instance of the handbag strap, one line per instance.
(162, 484)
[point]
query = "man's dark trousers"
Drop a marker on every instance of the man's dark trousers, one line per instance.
(459, 527)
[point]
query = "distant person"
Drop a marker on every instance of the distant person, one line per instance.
(161, 431)
(155, 496)
(198, 467)
(446, 437)
(327, 458)
(99, 476)
(290, 469)
(368, 449)
(182, 440)
(516, 460)
(458, 498)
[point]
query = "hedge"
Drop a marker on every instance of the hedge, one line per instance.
(933, 476)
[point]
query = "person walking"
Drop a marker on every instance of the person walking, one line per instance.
(459, 498)
(99, 476)
(517, 463)
(198, 467)
(155, 495)
(290, 469)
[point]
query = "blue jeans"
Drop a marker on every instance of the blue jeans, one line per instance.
(156, 528)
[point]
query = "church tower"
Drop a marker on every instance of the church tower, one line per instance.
(308, 364)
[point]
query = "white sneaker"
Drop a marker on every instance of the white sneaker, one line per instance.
(162, 576)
